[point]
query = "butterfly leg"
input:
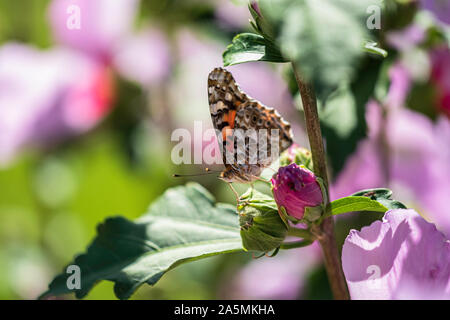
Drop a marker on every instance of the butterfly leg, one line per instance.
(263, 180)
(234, 191)
(238, 200)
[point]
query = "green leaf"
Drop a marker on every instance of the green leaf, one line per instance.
(375, 193)
(353, 204)
(182, 225)
(343, 114)
(247, 47)
(371, 47)
(340, 112)
(383, 196)
(323, 38)
(391, 204)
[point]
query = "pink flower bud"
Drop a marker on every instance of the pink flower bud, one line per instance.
(254, 5)
(296, 188)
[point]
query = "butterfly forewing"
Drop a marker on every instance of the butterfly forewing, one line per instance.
(251, 135)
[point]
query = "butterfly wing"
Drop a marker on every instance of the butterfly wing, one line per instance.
(232, 109)
(269, 125)
(224, 98)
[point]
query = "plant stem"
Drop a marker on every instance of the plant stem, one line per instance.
(324, 231)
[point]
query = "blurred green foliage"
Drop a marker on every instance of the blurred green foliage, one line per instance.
(25, 21)
(51, 201)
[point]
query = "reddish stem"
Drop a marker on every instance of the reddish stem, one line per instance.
(325, 231)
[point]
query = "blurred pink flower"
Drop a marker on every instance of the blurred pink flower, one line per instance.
(282, 277)
(232, 15)
(409, 154)
(439, 8)
(106, 34)
(364, 169)
(49, 95)
(407, 38)
(39, 102)
(440, 75)
(291, 152)
(103, 24)
(400, 85)
(403, 73)
(400, 257)
(143, 57)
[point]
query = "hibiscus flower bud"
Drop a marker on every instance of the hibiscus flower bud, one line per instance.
(297, 190)
(298, 155)
(261, 226)
(254, 5)
(260, 22)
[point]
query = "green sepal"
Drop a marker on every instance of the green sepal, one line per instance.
(274, 253)
(261, 26)
(300, 233)
(313, 214)
(284, 215)
(296, 244)
(262, 228)
(324, 191)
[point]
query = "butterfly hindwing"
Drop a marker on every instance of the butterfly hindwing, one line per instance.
(232, 109)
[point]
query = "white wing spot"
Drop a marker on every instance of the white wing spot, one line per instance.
(221, 77)
(220, 105)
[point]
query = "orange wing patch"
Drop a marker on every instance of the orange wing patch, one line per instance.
(233, 109)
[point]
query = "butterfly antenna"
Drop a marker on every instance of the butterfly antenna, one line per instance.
(275, 171)
(208, 171)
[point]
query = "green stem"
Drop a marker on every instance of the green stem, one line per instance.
(324, 231)
(326, 214)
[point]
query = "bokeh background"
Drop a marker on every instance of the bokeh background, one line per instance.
(86, 118)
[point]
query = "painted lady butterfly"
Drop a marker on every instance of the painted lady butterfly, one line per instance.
(232, 109)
